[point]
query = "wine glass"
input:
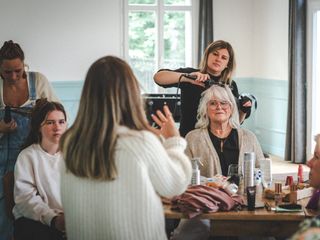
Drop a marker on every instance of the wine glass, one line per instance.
(233, 173)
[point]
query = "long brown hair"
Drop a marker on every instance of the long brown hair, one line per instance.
(110, 98)
(227, 72)
(39, 114)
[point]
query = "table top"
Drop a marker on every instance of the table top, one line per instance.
(259, 214)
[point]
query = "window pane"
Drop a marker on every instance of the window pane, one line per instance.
(144, 2)
(177, 39)
(142, 40)
(316, 77)
(178, 2)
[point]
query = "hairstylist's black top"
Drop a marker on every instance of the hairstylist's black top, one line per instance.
(190, 98)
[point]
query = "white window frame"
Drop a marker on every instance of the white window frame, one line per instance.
(160, 10)
(312, 7)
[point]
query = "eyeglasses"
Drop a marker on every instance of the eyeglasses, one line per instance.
(223, 104)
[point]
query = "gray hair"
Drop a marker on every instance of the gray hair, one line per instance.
(223, 93)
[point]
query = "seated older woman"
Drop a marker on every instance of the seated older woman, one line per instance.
(218, 140)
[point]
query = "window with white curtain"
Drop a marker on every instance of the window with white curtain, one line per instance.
(313, 73)
(158, 34)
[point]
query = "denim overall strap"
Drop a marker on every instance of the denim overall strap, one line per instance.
(32, 86)
(10, 146)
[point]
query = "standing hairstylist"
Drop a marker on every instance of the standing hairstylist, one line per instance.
(18, 90)
(216, 67)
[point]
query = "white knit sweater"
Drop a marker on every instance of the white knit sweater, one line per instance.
(37, 185)
(128, 207)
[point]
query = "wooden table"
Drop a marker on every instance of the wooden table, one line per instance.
(249, 223)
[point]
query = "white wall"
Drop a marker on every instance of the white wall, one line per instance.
(270, 37)
(258, 31)
(233, 23)
(62, 38)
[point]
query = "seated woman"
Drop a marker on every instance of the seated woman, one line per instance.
(218, 140)
(115, 165)
(38, 210)
(310, 228)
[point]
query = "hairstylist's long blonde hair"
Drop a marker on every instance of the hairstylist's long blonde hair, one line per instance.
(110, 98)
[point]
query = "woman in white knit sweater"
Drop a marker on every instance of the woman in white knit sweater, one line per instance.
(38, 210)
(116, 166)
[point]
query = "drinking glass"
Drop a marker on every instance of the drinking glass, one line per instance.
(233, 173)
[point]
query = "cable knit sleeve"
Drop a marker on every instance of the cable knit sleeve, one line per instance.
(169, 167)
(28, 203)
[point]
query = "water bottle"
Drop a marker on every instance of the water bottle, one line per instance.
(195, 179)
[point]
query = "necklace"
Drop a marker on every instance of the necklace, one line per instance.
(221, 137)
(222, 141)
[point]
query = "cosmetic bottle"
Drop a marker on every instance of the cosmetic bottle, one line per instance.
(277, 193)
(195, 179)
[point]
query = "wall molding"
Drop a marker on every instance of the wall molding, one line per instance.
(268, 122)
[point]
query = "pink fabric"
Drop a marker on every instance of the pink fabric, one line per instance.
(203, 199)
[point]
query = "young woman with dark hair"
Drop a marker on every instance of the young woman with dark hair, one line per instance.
(38, 210)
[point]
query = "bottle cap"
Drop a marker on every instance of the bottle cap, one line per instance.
(195, 163)
(249, 156)
(289, 180)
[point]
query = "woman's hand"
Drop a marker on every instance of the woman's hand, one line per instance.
(165, 122)
(199, 80)
(7, 127)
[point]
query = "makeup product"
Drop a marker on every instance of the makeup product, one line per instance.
(266, 168)
(293, 195)
(248, 169)
(300, 174)
(195, 179)
(289, 180)
(277, 193)
(251, 197)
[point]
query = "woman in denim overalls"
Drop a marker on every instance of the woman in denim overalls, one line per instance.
(19, 90)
